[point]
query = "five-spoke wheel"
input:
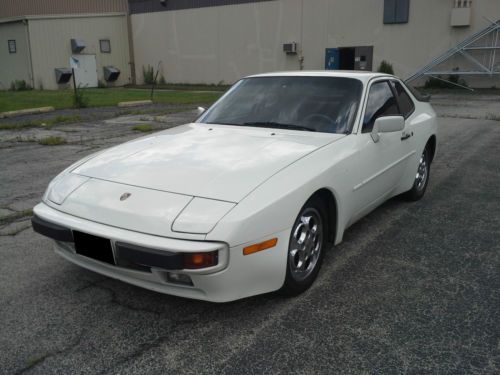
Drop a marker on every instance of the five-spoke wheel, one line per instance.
(421, 178)
(306, 247)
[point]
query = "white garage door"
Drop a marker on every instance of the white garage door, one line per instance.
(86, 73)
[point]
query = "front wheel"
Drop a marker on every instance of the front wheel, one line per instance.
(421, 178)
(306, 248)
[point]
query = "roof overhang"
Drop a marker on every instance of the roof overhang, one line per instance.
(59, 16)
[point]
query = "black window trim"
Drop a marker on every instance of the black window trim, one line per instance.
(394, 16)
(365, 104)
(109, 44)
(14, 44)
(395, 93)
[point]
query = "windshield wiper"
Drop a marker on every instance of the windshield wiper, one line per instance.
(278, 125)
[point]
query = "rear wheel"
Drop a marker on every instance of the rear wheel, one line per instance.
(306, 248)
(421, 178)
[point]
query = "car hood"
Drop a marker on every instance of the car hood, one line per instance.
(211, 161)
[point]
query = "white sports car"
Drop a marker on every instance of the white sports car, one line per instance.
(247, 199)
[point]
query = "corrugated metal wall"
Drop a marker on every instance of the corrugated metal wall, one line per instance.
(15, 8)
(14, 66)
(50, 45)
(148, 6)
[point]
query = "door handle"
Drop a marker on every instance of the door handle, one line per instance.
(406, 136)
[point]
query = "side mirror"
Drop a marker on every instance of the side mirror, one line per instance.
(387, 124)
(200, 110)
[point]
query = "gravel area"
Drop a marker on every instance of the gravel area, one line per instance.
(414, 287)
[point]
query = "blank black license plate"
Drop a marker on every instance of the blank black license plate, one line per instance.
(94, 247)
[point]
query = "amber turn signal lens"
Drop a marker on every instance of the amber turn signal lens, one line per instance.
(260, 246)
(200, 260)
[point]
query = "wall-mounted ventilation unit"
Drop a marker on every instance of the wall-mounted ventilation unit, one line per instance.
(77, 45)
(111, 73)
(461, 13)
(290, 48)
(63, 75)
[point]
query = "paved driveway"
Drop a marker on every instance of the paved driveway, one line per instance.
(414, 287)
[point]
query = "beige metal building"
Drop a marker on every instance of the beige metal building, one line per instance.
(219, 41)
(213, 41)
(36, 42)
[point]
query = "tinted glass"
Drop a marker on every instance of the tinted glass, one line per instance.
(405, 103)
(381, 102)
(322, 104)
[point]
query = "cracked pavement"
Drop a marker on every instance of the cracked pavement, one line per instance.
(414, 287)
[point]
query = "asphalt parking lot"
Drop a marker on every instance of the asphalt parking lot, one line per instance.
(414, 287)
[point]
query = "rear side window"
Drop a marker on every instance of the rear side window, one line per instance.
(406, 105)
(381, 102)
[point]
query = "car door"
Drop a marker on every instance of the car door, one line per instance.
(412, 133)
(380, 165)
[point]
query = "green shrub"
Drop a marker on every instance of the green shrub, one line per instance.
(20, 85)
(52, 141)
(440, 83)
(144, 128)
(101, 84)
(385, 67)
(80, 99)
(148, 75)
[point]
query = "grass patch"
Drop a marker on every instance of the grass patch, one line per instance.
(144, 128)
(61, 99)
(492, 116)
(26, 139)
(183, 87)
(63, 120)
(48, 123)
(52, 141)
(16, 216)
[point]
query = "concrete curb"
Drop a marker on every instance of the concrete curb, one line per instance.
(134, 103)
(29, 111)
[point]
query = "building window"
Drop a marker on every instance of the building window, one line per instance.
(12, 46)
(105, 45)
(396, 11)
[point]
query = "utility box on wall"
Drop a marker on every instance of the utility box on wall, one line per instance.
(461, 13)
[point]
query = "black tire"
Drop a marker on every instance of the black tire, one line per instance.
(421, 179)
(297, 281)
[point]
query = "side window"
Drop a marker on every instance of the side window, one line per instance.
(381, 102)
(405, 103)
(396, 11)
(105, 45)
(12, 46)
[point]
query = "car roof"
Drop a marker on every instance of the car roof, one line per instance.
(361, 75)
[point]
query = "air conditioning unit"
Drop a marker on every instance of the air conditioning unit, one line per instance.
(461, 13)
(290, 48)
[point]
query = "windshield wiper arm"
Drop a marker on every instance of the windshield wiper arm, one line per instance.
(278, 125)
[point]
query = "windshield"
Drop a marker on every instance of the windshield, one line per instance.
(322, 104)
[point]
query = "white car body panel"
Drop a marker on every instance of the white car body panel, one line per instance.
(205, 161)
(198, 186)
(201, 215)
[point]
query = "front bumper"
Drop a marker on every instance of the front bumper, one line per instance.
(234, 277)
